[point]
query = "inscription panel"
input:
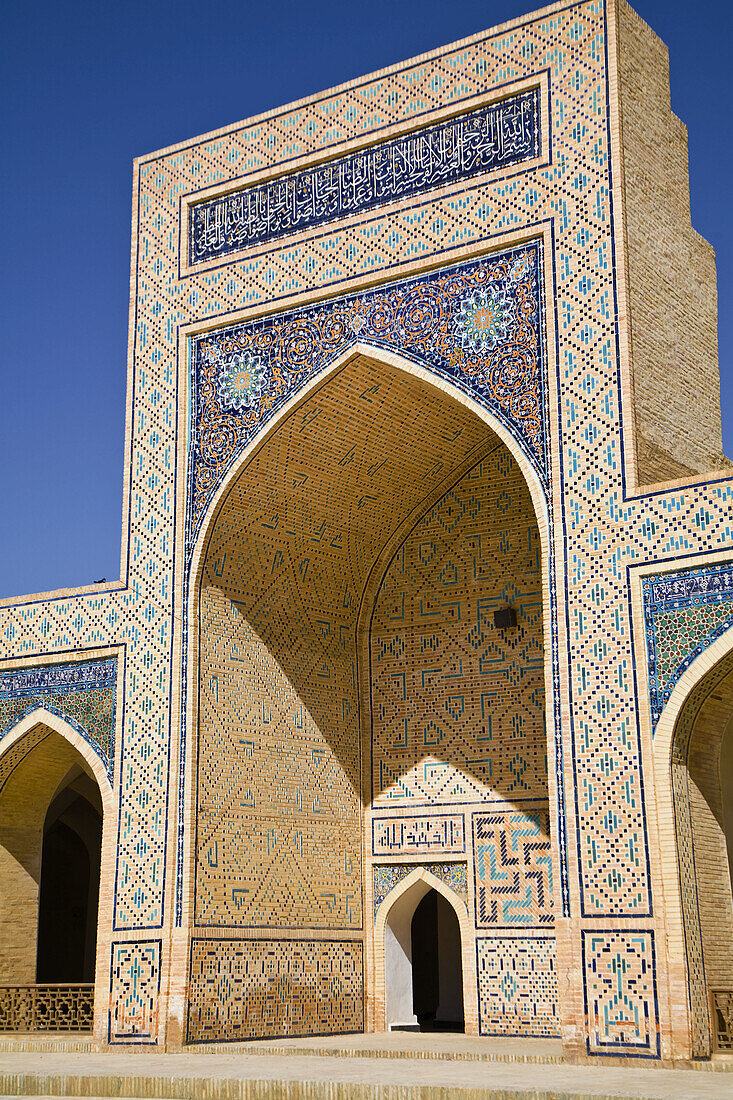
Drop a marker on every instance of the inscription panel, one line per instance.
(495, 136)
(411, 835)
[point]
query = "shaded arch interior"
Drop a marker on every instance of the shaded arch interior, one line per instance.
(50, 819)
(702, 785)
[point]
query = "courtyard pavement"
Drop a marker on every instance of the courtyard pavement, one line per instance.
(404, 1067)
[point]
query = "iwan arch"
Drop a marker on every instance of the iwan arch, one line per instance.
(413, 705)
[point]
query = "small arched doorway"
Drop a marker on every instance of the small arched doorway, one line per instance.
(423, 962)
(437, 980)
(51, 810)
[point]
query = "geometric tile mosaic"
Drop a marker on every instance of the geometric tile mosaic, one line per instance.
(458, 704)
(82, 693)
(517, 986)
(253, 989)
(684, 612)
(387, 876)
(621, 993)
(513, 869)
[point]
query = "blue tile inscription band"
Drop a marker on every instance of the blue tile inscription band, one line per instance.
(89, 676)
(494, 136)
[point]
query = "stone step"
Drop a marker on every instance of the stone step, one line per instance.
(142, 1075)
(398, 1045)
(56, 1043)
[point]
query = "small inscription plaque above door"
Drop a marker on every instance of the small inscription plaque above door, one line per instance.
(437, 834)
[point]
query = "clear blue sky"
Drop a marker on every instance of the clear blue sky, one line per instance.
(87, 86)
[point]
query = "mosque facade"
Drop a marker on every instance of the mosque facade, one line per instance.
(413, 706)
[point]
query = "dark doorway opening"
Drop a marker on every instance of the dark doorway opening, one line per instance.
(437, 971)
(69, 889)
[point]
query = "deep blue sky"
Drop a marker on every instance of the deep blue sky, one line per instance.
(87, 86)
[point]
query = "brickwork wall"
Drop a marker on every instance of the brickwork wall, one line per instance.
(522, 271)
(279, 823)
(671, 273)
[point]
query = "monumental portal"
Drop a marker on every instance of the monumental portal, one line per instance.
(413, 706)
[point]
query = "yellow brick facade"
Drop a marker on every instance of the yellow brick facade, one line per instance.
(427, 572)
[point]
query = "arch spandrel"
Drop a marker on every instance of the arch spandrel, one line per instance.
(29, 731)
(477, 326)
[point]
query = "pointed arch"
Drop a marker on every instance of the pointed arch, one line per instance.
(265, 598)
(43, 761)
(392, 922)
(54, 722)
(681, 798)
(399, 362)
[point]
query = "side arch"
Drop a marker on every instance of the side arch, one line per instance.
(53, 722)
(48, 767)
(392, 923)
(687, 746)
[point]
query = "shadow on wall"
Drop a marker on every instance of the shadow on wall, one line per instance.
(287, 563)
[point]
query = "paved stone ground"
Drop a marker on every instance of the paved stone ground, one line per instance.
(359, 1067)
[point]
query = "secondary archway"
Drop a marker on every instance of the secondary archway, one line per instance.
(422, 944)
(52, 798)
(701, 783)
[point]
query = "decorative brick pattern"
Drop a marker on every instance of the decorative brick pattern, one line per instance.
(517, 986)
(135, 992)
(513, 869)
(279, 775)
(251, 989)
(457, 704)
(621, 992)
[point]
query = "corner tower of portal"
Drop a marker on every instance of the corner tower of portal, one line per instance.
(672, 302)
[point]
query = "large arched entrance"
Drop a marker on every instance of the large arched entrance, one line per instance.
(349, 665)
(702, 793)
(51, 811)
